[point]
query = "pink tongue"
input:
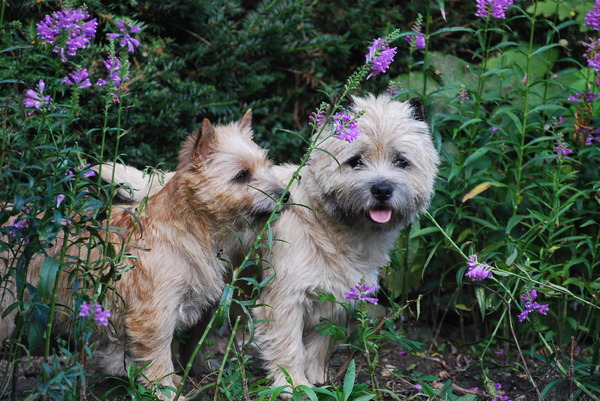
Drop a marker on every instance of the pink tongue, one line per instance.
(380, 216)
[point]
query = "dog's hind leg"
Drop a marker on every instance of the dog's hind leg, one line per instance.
(149, 341)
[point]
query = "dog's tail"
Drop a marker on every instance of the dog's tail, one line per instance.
(133, 185)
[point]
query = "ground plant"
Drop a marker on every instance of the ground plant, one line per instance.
(504, 267)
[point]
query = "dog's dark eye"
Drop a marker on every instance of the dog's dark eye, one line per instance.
(242, 177)
(401, 162)
(355, 162)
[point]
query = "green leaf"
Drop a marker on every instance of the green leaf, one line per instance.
(48, 272)
(349, 380)
(224, 305)
(481, 300)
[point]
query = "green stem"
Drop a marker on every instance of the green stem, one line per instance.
(521, 149)
(222, 368)
(426, 60)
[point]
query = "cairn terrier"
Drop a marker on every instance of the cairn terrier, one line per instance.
(358, 197)
(357, 202)
(223, 183)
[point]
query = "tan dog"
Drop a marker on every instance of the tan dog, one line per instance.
(357, 204)
(223, 182)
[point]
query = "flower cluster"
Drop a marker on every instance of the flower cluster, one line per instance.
(497, 8)
(316, 119)
(531, 306)
(100, 314)
(125, 35)
(590, 138)
(392, 90)
(36, 99)
(587, 97)
(17, 227)
(360, 293)
(592, 18)
(380, 56)
(592, 53)
(113, 68)
(71, 28)
(478, 271)
(417, 41)
(345, 126)
(78, 32)
(562, 149)
(500, 394)
(463, 95)
(78, 78)
(85, 171)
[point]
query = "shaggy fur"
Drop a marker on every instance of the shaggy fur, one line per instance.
(223, 181)
(356, 205)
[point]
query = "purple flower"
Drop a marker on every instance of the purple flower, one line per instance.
(84, 309)
(497, 8)
(79, 78)
(531, 306)
(125, 34)
(316, 119)
(586, 97)
(462, 95)
(360, 292)
(500, 395)
(590, 139)
(392, 89)
(478, 271)
(102, 317)
(71, 27)
(418, 41)
(592, 18)
(100, 314)
(113, 67)
(59, 199)
(36, 99)
(562, 149)
(346, 127)
(592, 54)
(380, 56)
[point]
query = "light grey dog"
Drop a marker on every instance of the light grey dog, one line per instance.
(357, 203)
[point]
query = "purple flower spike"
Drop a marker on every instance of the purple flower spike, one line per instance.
(70, 26)
(84, 310)
(380, 56)
(126, 39)
(346, 127)
(102, 316)
(478, 271)
(592, 18)
(360, 292)
(79, 78)
(36, 99)
(496, 8)
(531, 306)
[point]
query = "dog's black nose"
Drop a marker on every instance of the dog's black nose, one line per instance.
(286, 197)
(382, 191)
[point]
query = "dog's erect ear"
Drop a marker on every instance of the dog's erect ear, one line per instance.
(246, 121)
(419, 112)
(204, 141)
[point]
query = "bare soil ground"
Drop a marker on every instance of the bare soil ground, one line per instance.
(441, 364)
